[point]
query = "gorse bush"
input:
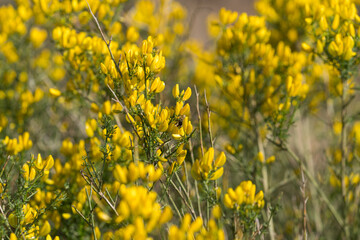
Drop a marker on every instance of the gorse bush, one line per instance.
(115, 124)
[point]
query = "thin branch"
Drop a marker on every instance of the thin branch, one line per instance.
(171, 200)
(98, 191)
(328, 203)
(108, 193)
(5, 218)
(3, 168)
(106, 42)
(283, 182)
(125, 109)
(89, 196)
(186, 178)
(196, 185)
(209, 118)
(305, 199)
(199, 117)
(193, 215)
(186, 193)
(264, 172)
(344, 154)
(81, 215)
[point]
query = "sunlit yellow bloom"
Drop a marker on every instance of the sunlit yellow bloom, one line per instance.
(244, 194)
(207, 168)
(54, 92)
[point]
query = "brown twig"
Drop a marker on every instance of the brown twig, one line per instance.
(199, 117)
(313, 181)
(305, 199)
(81, 215)
(209, 118)
(3, 168)
(344, 155)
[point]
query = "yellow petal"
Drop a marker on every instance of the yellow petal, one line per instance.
(166, 215)
(13, 220)
(45, 229)
(220, 160)
(54, 92)
(217, 174)
(39, 162)
(187, 94)
(208, 158)
(13, 236)
(49, 162)
(227, 201)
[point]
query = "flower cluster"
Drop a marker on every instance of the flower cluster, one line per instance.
(13, 146)
(262, 77)
(139, 209)
(102, 86)
(134, 172)
(286, 19)
(244, 194)
(208, 168)
(195, 230)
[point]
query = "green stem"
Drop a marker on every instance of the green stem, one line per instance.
(186, 178)
(184, 200)
(5, 219)
(184, 189)
(196, 183)
(199, 118)
(89, 196)
(171, 200)
(265, 183)
(207, 202)
(344, 155)
(176, 209)
(310, 163)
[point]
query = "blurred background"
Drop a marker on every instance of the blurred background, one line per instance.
(199, 10)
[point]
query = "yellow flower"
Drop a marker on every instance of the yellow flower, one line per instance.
(45, 229)
(54, 92)
(166, 215)
(207, 168)
(132, 34)
(244, 194)
(29, 173)
(37, 36)
(270, 159)
(28, 217)
(337, 127)
(305, 47)
(216, 212)
(13, 236)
